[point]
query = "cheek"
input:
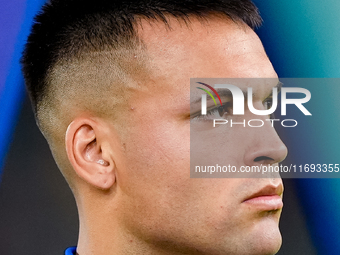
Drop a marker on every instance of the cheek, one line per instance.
(164, 144)
(156, 176)
(223, 145)
(155, 173)
(157, 155)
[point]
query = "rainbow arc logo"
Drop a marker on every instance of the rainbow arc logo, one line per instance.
(209, 93)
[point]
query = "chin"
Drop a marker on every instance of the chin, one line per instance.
(268, 247)
(266, 239)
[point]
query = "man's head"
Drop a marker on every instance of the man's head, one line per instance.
(110, 84)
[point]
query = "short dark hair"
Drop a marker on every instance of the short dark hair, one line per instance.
(65, 29)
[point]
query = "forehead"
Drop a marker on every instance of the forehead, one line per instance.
(215, 47)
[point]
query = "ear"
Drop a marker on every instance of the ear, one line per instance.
(89, 153)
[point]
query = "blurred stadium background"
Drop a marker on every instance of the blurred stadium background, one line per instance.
(37, 210)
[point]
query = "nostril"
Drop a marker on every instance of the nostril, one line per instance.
(263, 158)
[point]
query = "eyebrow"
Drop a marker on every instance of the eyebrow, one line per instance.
(227, 93)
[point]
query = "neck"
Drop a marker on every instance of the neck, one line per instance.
(103, 238)
(103, 231)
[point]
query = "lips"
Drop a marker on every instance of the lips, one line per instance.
(269, 198)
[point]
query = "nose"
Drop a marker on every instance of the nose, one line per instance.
(265, 147)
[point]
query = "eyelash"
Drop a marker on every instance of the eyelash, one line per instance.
(222, 110)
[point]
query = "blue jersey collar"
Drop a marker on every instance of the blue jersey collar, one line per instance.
(71, 251)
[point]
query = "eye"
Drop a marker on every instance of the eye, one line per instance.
(221, 110)
(225, 109)
(268, 103)
(215, 112)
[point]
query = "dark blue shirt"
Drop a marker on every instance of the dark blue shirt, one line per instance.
(71, 251)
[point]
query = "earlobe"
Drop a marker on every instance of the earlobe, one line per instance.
(88, 154)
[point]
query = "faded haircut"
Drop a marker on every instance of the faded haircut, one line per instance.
(65, 30)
